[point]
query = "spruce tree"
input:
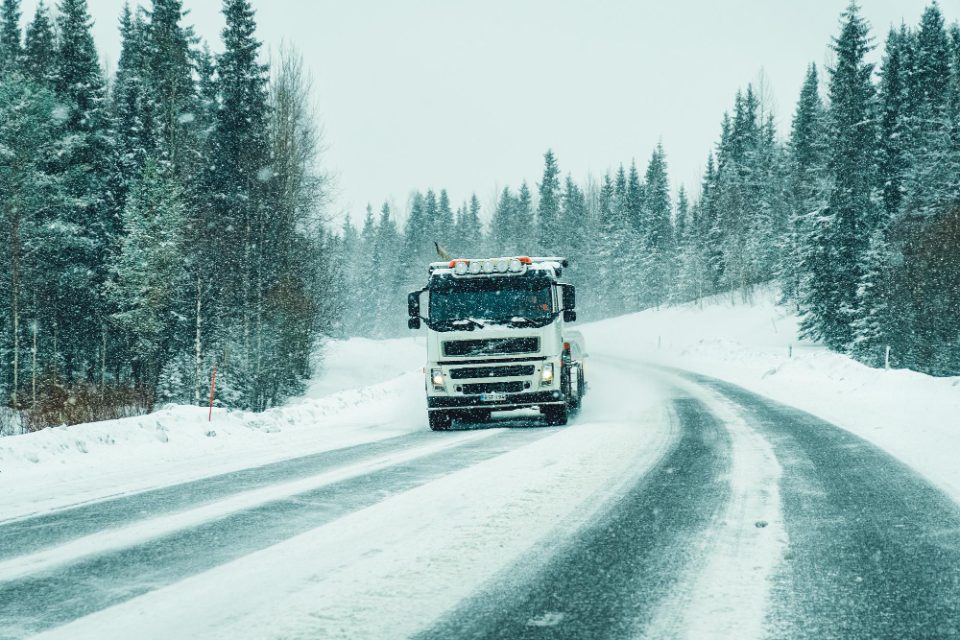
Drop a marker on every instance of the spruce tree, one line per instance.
(149, 274)
(40, 47)
(36, 247)
(574, 223)
(170, 69)
(503, 230)
(830, 301)
(418, 250)
(657, 237)
(548, 210)
(11, 47)
(388, 297)
(807, 181)
(237, 176)
(893, 99)
(469, 232)
(88, 169)
(523, 223)
(444, 223)
(634, 203)
(133, 108)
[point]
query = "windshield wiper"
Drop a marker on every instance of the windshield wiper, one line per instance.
(524, 322)
(470, 322)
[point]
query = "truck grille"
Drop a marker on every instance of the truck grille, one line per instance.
(492, 372)
(494, 387)
(491, 346)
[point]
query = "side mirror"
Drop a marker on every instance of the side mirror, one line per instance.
(569, 315)
(569, 297)
(413, 304)
(413, 323)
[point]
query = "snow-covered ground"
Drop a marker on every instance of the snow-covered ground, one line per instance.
(480, 501)
(754, 344)
(371, 390)
(368, 391)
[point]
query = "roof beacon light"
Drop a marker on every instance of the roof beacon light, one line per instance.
(525, 260)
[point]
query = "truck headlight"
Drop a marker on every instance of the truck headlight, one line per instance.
(546, 375)
(436, 375)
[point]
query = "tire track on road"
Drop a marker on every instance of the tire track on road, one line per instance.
(97, 582)
(32, 533)
(607, 580)
(874, 547)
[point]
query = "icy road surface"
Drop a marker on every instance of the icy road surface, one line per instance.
(674, 506)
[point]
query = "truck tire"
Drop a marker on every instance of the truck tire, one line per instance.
(439, 420)
(555, 415)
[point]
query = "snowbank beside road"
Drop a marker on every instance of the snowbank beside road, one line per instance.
(347, 404)
(754, 344)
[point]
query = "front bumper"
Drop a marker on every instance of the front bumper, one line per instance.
(512, 401)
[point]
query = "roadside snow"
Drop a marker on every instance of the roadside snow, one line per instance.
(342, 407)
(914, 417)
(435, 544)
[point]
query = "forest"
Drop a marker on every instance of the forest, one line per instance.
(156, 223)
(174, 217)
(855, 216)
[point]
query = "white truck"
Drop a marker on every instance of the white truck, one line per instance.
(497, 339)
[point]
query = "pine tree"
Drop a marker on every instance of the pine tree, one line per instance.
(238, 174)
(444, 224)
(418, 250)
(634, 203)
(133, 109)
(469, 231)
(170, 69)
(574, 223)
(523, 229)
(503, 230)
(873, 323)
(893, 99)
(933, 165)
(830, 301)
(618, 274)
(657, 236)
(548, 211)
(11, 47)
(807, 181)
(388, 297)
(40, 47)
(149, 274)
(88, 169)
(32, 138)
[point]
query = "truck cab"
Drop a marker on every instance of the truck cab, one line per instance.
(497, 339)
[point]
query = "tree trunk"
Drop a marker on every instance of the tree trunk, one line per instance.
(197, 345)
(15, 300)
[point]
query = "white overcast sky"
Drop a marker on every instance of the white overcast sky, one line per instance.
(468, 95)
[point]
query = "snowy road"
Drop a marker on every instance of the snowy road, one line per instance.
(696, 509)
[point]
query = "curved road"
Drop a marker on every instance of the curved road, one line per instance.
(755, 517)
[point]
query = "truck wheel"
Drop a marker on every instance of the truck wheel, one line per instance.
(439, 420)
(555, 415)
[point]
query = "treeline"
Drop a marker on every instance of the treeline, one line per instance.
(157, 223)
(856, 214)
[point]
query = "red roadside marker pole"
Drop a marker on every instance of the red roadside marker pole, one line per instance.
(213, 388)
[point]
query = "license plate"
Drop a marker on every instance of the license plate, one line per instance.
(493, 397)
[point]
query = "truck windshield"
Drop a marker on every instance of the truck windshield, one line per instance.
(472, 304)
